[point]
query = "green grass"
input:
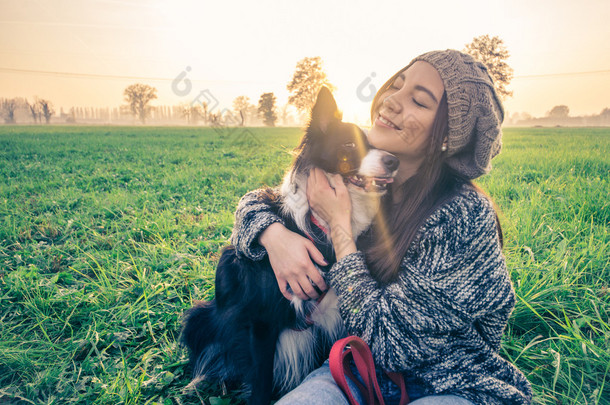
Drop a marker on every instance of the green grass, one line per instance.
(107, 234)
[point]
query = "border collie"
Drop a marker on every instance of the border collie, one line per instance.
(249, 334)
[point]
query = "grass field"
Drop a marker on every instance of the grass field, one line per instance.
(107, 234)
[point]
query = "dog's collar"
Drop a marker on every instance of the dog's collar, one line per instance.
(317, 223)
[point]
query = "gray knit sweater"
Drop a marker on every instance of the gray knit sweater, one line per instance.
(441, 322)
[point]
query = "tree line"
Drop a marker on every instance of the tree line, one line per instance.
(307, 79)
(560, 116)
(303, 87)
(38, 109)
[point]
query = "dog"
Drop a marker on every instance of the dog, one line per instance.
(249, 334)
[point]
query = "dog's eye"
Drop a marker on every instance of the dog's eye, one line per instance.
(349, 145)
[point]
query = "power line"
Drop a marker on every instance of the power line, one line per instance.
(119, 77)
(85, 75)
(562, 74)
(115, 77)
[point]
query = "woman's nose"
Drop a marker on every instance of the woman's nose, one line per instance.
(391, 104)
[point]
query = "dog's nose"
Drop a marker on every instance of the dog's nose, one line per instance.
(390, 162)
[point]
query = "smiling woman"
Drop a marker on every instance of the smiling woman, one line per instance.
(427, 286)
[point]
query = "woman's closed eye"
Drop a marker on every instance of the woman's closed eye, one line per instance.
(419, 104)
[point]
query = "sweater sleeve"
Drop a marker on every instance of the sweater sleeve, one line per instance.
(255, 212)
(453, 281)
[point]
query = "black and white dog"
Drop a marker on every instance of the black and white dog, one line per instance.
(249, 333)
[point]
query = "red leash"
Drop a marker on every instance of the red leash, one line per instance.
(339, 367)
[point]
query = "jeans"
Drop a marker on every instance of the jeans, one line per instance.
(319, 387)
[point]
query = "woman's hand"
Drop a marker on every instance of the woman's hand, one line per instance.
(291, 256)
(334, 206)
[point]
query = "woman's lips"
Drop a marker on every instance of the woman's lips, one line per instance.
(384, 122)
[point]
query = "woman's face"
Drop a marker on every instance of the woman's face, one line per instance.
(403, 122)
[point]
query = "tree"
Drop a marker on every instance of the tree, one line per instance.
(71, 119)
(251, 115)
(306, 82)
(34, 109)
(493, 53)
(519, 117)
(192, 113)
(203, 112)
(559, 111)
(242, 106)
(137, 97)
(215, 119)
(8, 106)
(266, 109)
(46, 109)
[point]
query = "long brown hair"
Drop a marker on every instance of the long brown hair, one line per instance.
(396, 225)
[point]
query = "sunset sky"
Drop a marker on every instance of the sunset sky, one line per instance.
(560, 49)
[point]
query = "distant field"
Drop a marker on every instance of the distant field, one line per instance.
(107, 234)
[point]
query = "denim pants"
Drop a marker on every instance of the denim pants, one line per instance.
(319, 387)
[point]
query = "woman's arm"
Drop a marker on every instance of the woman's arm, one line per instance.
(255, 211)
(260, 230)
(449, 282)
(291, 256)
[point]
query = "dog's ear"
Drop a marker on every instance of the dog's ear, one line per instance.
(325, 110)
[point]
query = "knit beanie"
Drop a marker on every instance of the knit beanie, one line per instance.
(475, 111)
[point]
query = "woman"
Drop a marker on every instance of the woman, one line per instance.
(427, 287)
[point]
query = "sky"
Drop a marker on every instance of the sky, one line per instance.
(85, 52)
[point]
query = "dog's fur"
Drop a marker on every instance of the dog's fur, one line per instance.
(250, 334)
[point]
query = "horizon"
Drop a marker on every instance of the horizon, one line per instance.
(84, 53)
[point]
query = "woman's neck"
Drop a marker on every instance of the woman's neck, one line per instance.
(406, 170)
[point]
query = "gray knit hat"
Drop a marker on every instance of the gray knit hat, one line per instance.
(475, 111)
